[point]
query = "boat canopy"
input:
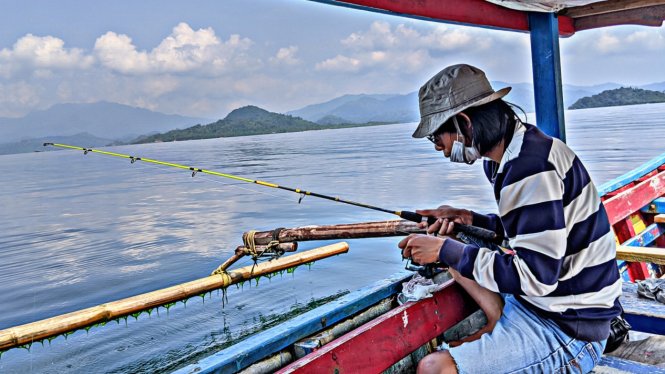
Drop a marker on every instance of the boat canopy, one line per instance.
(545, 20)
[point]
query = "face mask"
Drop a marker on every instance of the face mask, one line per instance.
(461, 153)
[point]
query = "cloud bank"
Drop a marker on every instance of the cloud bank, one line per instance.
(201, 73)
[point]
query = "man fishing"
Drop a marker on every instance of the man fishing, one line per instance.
(549, 299)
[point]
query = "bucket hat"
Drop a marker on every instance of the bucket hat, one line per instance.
(449, 92)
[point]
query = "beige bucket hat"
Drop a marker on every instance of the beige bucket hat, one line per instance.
(449, 92)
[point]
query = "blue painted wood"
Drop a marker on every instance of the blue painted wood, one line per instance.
(625, 366)
(259, 346)
(656, 206)
(643, 314)
(632, 175)
(647, 236)
(623, 270)
(546, 64)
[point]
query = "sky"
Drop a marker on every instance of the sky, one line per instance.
(206, 58)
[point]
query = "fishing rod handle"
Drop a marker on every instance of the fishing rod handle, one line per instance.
(476, 231)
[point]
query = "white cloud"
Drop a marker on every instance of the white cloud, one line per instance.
(19, 94)
(42, 54)
(607, 43)
(286, 56)
(402, 49)
(339, 63)
(380, 36)
(185, 50)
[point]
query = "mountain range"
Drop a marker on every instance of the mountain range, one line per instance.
(248, 120)
(101, 119)
(404, 108)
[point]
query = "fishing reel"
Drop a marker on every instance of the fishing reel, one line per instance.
(428, 270)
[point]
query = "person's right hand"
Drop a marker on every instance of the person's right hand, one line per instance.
(447, 216)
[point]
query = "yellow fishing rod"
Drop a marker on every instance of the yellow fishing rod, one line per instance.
(411, 216)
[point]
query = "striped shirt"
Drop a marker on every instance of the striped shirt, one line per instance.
(564, 262)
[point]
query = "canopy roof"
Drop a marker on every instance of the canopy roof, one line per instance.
(573, 15)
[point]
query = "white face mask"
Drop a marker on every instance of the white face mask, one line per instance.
(460, 152)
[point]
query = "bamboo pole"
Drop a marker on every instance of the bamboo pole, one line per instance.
(241, 251)
(343, 231)
(36, 331)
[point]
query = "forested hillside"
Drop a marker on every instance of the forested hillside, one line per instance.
(249, 120)
(620, 96)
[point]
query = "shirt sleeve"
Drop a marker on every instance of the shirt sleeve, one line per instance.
(532, 213)
(490, 222)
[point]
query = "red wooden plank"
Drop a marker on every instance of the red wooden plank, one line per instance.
(469, 12)
(638, 271)
(620, 190)
(624, 230)
(375, 346)
(647, 176)
(633, 199)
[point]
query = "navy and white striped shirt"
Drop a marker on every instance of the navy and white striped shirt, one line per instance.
(564, 266)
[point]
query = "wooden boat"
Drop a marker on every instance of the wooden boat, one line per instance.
(366, 332)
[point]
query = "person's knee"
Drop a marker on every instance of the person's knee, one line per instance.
(437, 363)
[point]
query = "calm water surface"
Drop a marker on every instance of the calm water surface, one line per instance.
(77, 231)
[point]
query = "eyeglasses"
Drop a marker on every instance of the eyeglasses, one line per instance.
(433, 137)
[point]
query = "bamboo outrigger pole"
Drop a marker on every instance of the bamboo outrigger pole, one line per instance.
(36, 331)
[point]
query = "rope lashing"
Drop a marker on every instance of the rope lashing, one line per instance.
(226, 278)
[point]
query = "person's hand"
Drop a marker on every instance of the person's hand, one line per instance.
(447, 217)
(422, 248)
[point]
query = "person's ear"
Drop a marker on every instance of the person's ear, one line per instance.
(467, 127)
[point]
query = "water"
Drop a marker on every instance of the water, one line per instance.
(77, 231)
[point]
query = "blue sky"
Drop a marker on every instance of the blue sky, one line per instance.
(205, 58)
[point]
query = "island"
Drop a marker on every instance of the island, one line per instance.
(618, 97)
(248, 120)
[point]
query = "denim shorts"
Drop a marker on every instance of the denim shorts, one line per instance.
(523, 342)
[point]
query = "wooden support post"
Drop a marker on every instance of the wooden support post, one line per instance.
(637, 254)
(546, 64)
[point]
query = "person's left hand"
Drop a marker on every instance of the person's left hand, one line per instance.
(422, 248)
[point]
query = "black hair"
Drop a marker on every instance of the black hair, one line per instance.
(492, 122)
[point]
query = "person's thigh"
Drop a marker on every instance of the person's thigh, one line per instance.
(522, 342)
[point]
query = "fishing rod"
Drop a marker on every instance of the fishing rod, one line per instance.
(411, 216)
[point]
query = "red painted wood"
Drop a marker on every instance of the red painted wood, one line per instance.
(618, 191)
(638, 271)
(624, 230)
(375, 346)
(647, 176)
(469, 12)
(633, 199)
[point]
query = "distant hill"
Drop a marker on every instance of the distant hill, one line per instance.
(101, 119)
(404, 108)
(37, 145)
(620, 96)
(248, 120)
(332, 120)
(315, 112)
